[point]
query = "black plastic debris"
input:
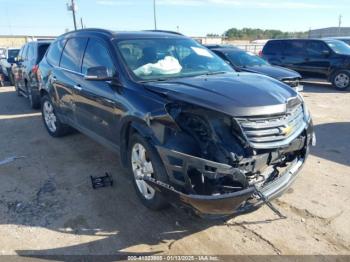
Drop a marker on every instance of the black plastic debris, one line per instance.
(101, 181)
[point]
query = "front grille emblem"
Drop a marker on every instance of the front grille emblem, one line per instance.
(286, 130)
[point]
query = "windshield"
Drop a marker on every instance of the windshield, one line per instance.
(164, 58)
(13, 53)
(339, 47)
(243, 59)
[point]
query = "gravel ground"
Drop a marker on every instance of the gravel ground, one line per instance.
(47, 205)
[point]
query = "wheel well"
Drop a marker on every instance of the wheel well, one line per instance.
(130, 128)
(43, 92)
(126, 133)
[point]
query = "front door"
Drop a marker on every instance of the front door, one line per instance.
(96, 108)
(317, 62)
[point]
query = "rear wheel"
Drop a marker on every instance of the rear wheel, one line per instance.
(51, 121)
(144, 161)
(341, 80)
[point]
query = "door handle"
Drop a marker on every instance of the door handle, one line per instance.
(77, 87)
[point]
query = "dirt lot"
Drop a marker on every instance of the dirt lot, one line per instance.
(47, 205)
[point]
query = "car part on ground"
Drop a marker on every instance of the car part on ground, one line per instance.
(101, 181)
(316, 58)
(201, 136)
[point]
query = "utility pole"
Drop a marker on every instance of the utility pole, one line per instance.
(155, 14)
(72, 7)
(81, 23)
(339, 24)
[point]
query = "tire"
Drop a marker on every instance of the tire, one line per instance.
(341, 80)
(155, 201)
(51, 121)
(34, 100)
(18, 92)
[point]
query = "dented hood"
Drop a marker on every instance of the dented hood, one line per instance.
(235, 94)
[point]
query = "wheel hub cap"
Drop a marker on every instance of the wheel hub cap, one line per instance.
(342, 80)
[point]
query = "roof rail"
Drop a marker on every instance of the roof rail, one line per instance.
(164, 31)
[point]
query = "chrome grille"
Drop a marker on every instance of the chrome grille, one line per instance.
(274, 131)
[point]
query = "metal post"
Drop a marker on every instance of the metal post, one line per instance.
(339, 25)
(154, 14)
(73, 11)
(81, 23)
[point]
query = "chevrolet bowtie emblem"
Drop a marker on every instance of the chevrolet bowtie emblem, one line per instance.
(286, 130)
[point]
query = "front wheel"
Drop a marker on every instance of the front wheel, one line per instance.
(52, 123)
(144, 161)
(341, 80)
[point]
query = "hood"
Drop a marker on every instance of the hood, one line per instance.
(235, 94)
(276, 72)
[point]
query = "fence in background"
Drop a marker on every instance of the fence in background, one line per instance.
(253, 48)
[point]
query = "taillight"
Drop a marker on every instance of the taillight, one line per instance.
(35, 69)
(260, 53)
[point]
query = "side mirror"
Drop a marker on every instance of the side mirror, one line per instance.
(98, 73)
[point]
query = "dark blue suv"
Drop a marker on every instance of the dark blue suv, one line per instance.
(316, 58)
(191, 130)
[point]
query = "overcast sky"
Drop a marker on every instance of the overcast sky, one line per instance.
(193, 17)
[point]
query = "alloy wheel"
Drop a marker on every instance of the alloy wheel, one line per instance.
(142, 166)
(49, 116)
(342, 80)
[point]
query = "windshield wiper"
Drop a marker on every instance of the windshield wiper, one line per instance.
(215, 73)
(154, 80)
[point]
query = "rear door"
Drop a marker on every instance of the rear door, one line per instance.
(317, 62)
(17, 70)
(95, 100)
(28, 63)
(65, 76)
(272, 52)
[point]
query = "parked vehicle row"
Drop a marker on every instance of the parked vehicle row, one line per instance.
(191, 130)
(7, 59)
(318, 58)
(25, 71)
(242, 61)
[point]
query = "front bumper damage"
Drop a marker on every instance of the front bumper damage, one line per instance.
(222, 204)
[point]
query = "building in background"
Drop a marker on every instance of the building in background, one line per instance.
(329, 32)
(19, 40)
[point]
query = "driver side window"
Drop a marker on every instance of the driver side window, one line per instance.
(97, 54)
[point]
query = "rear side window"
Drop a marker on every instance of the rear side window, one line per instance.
(73, 54)
(55, 51)
(97, 54)
(41, 51)
(295, 48)
(24, 53)
(30, 53)
(273, 48)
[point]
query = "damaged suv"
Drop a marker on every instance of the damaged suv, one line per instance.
(192, 131)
